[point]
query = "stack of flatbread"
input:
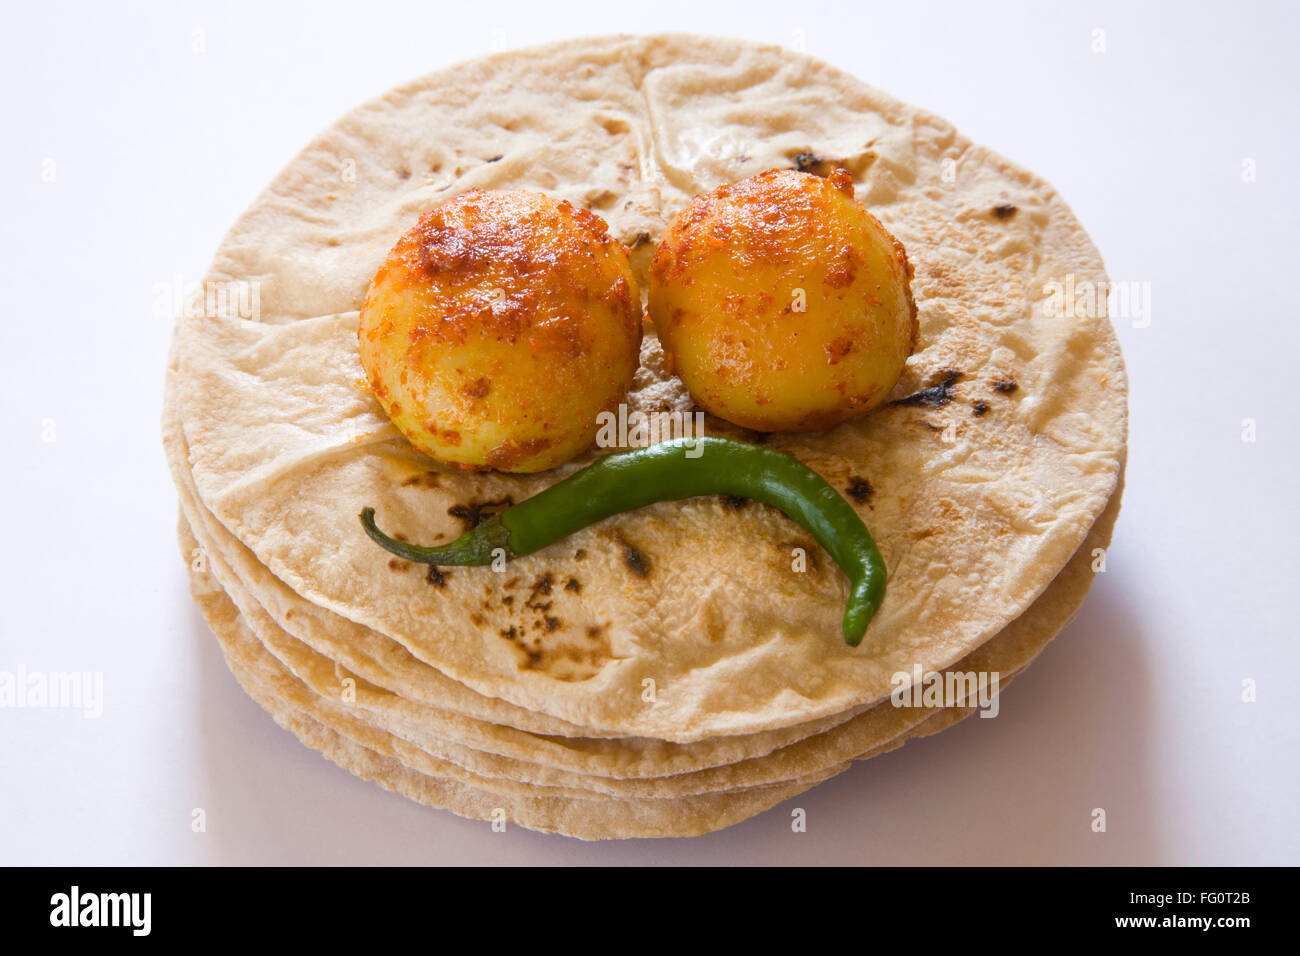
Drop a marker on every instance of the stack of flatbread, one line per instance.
(680, 668)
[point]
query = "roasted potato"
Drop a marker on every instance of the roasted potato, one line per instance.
(499, 327)
(782, 303)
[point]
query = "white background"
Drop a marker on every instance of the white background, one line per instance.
(161, 135)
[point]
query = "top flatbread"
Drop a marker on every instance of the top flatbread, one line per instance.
(976, 502)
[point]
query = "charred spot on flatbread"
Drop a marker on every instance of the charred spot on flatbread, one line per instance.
(935, 396)
(634, 559)
(472, 513)
(859, 489)
(1005, 385)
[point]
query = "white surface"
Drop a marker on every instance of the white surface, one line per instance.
(1135, 708)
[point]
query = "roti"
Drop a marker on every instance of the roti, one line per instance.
(678, 668)
(977, 498)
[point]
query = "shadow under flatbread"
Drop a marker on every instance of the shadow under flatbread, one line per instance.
(271, 801)
(1072, 735)
(267, 799)
(1018, 789)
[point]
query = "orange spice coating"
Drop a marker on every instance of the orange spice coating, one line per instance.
(499, 327)
(782, 303)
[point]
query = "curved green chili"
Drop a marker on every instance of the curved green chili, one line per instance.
(669, 471)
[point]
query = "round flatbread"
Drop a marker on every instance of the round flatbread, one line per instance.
(978, 489)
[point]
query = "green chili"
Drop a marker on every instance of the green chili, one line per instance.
(669, 471)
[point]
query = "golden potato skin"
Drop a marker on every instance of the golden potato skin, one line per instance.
(499, 327)
(724, 299)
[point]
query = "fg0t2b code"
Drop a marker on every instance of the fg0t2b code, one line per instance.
(1222, 897)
